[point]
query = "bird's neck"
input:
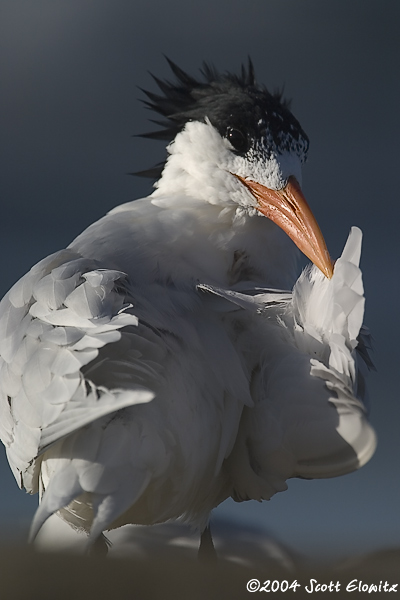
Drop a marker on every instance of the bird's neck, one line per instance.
(194, 168)
(226, 246)
(213, 231)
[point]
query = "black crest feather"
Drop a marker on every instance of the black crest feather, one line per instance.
(226, 99)
(181, 97)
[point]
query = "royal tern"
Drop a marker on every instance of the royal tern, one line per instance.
(158, 365)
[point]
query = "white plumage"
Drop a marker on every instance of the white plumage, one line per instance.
(158, 365)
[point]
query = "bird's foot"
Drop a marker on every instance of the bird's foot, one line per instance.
(99, 548)
(207, 551)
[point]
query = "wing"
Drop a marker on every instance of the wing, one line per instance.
(58, 325)
(73, 355)
(309, 418)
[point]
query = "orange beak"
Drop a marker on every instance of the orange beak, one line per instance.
(289, 209)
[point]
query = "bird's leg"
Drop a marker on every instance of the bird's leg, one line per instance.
(206, 549)
(99, 547)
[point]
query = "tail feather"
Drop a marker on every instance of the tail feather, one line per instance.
(108, 507)
(62, 489)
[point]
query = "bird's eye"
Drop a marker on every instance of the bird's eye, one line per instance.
(237, 139)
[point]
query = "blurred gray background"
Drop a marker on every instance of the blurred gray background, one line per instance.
(69, 71)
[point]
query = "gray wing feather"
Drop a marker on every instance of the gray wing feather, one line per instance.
(53, 323)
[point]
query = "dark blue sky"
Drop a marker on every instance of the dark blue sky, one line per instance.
(69, 73)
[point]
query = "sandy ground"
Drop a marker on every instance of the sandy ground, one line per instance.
(30, 575)
(162, 563)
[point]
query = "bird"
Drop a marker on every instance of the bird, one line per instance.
(172, 356)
